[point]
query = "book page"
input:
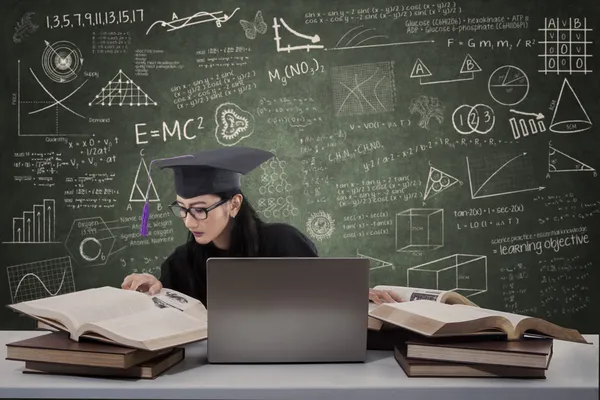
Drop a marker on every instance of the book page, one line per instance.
(513, 318)
(96, 304)
(445, 313)
(150, 325)
(179, 301)
(411, 294)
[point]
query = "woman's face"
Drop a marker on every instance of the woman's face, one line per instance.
(207, 230)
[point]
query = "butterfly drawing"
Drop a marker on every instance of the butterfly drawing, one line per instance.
(250, 28)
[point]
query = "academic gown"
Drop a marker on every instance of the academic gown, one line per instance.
(185, 269)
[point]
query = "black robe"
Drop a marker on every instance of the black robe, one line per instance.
(185, 269)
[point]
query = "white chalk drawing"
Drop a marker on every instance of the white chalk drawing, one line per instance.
(437, 182)
(419, 229)
(40, 279)
(24, 27)
(428, 108)
(479, 118)
(140, 190)
(465, 274)
(251, 28)
(363, 88)
(30, 106)
(90, 241)
(569, 115)
(289, 48)
(530, 124)
(320, 225)
(232, 124)
(61, 61)
(559, 161)
(508, 85)
(376, 263)
(277, 207)
(513, 176)
(122, 91)
(37, 225)
(200, 17)
(354, 34)
(275, 200)
(468, 69)
(566, 46)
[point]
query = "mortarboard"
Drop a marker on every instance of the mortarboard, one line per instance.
(207, 172)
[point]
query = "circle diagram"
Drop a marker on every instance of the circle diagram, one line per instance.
(508, 85)
(90, 249)
(320, 225)
(479, 118)
(61, 61)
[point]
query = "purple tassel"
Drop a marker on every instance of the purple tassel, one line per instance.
(145, 217)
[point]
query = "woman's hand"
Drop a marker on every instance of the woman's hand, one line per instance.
(142, 282)
(383, 296)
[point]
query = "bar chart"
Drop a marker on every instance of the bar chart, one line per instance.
(37, 225)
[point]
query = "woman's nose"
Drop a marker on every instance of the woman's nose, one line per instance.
(189, 221)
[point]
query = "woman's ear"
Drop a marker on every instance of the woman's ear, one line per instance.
(236, 203)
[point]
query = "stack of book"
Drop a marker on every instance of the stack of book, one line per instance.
(56, 353)
(443, 334)
(109, 332)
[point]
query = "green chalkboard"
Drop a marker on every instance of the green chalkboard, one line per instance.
(452, 143)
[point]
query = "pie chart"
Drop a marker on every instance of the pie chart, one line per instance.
(508, 85)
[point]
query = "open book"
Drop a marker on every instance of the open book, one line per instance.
(411, 294)
(435, 319)
(123, 317)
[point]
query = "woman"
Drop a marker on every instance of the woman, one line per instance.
(222, 223)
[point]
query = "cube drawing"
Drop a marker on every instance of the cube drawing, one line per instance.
(465, 274)
(420, 229)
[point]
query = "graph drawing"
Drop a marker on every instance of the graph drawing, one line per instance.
(306, 46)
(363, 88)
(40, 279)
(354, 39)
(499, 175)
(37, 225)
(44, 116)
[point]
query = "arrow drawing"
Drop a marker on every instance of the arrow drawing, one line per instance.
(536, 115)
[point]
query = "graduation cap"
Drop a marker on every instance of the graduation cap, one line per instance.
(207, 172)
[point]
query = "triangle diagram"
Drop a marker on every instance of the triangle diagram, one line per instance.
(437, 182)
(122, 91)
(569, 115)
(141, 181)
(420, 70)
(561, 162)
(469, 65)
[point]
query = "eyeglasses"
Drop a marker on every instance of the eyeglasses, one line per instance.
(198, 213)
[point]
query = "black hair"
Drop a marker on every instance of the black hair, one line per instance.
(245, 238)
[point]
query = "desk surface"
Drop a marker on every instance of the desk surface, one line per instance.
(573, 374)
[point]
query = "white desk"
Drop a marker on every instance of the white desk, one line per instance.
(573, 375)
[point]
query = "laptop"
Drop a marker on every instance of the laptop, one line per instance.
(287, 310)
